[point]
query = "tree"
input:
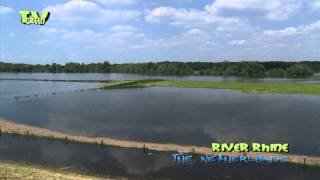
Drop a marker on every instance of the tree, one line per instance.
(251, 69)
(106, 67)
(185, 70)
(231, 71)
(245, 69)
(277, 72)
(299, 71)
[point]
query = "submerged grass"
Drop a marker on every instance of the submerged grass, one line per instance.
(247, 87)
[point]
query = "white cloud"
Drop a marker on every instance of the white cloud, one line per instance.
(290, 31)
(176, 16)
(122, 2)
(117, 36)
(195, 32)
(275, 45)
(87, 11)
(311, 28)
(191, 38)
(84, 35)
(43, 42)
(271, 9)
(157, 43)
(237, 42)
(5, 10)
(316, 5)
(122, 28)
(294, 31)
(49, 30)
(125, 32)
(185, 17)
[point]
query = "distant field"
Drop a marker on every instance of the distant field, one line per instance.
(248, 87)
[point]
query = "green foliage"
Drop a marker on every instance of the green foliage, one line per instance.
(71, 67)
(162, 68)
(299, 71)
(277, 72)
(243, 69)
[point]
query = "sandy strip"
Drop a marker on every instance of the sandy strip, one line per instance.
(9, 170)
(14, 128)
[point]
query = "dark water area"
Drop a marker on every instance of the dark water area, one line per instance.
(136, 164)
(177, 115)
(123, 76)
(10, 89)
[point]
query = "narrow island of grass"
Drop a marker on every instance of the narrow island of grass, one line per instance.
(130, 84)
(248, 87)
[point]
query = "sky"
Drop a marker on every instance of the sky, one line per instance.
(127, 31)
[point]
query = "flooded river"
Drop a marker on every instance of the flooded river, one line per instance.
(183, 116)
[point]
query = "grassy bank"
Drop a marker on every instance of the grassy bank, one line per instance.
(10, 170)
(131, 84)
(248, 87)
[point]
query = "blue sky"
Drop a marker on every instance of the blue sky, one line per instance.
(156, 30)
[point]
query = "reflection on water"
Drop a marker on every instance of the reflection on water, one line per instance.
(122, 76)
(178, 115)
(133, 163)
(9, 89)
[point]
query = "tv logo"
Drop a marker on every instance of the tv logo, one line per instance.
(32, 17)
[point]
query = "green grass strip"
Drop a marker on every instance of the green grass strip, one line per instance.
(248, 87)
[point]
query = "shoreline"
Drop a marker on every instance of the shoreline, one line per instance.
(12, 170)
(26, 130)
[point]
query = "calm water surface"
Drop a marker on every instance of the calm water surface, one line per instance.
(9, 89)
(177, 115)
(122, 76)
(156, 114)
(135, 164)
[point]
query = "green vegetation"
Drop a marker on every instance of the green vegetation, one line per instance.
(277, 72)
(248, 87)
(301, 69)
(298, 71)
(130, 84)
(71, 67)
(242, 69)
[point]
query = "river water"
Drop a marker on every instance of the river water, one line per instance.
(123, 76)
(135, 164)
(158, 114)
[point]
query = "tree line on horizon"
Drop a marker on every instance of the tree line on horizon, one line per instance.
(256, 69)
